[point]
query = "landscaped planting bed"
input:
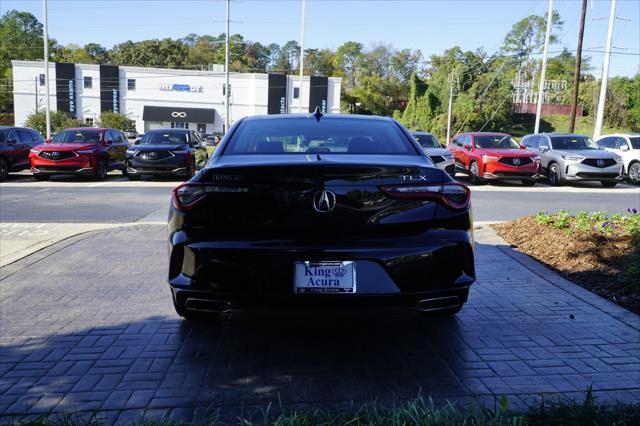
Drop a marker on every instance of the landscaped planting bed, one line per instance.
(597, 251)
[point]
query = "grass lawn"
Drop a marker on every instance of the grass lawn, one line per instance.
(523, 124)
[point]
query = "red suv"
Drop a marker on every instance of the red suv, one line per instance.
(494, 156)
(81, 151)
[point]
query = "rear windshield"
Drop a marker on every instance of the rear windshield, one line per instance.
(78, 136)
(427, 141)
(307, 135)
(635, 142)
(573, 142)
(495, 142)
(168, 137)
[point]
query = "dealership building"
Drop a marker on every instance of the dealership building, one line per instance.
(162, 98)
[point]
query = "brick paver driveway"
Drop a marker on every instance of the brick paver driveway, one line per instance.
(87, 325)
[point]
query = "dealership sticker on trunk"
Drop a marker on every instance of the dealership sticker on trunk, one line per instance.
(324, 277)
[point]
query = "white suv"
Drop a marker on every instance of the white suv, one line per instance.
(626, 146)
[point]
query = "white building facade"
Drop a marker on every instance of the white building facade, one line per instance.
(162, 98)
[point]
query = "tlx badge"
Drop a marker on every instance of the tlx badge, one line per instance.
(413, 178)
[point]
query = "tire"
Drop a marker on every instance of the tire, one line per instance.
(42, 178)
(4, 169)
(133, 177)
(474, 176)
(553, 174)
(101, 170)
(528, 182)
(634, 173)
(608, 183)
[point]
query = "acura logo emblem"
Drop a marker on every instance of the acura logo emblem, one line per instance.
(324, 201)
(600, 163)
(152, 155)
(180, 114)
(516, 161)
(55, 155)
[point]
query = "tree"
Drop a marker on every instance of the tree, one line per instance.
(346, 61)
(72, 53)
(59, 121)
(21, 38)
(115, 120)
(288, 57)
(97, 52)
(165, 53)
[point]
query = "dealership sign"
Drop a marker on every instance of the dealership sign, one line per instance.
(66, 88)
(181, 88)
(109, 88)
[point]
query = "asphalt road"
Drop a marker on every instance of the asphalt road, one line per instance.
(116, 200)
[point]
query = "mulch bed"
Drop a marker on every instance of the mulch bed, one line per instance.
(607, 265)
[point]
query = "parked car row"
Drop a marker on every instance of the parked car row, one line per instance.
(96, 151)
(558, 157)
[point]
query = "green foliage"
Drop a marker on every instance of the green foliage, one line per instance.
(115, 120)
(544, 218)
(150, 53)
(59, 121)
(599, 222)
(562, 220)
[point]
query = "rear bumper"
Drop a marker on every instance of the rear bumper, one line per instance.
(399, 272)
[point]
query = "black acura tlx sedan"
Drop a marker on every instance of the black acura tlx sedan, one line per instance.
(313, 210)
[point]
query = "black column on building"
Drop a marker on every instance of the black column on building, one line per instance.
(318, 93)
(109, 88)
(277, 95)
(66, 88)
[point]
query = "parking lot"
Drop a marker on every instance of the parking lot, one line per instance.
(88, 325)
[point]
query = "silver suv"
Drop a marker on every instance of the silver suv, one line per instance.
(438, 154)
(566, 157)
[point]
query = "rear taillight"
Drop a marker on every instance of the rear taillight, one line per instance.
(188, 195)
(454, 195)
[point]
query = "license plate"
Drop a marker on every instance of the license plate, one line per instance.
(324, 277)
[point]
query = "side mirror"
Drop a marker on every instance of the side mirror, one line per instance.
(48, 141)
(12, 141)
(468, 147)
(108, 141)
(137, 142)
(624, 147)
(544, 148)
(522, 146)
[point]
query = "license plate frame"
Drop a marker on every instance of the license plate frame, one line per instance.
(323, 275)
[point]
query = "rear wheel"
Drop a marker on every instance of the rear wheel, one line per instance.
(609, 183)
(474, 174)
(4, 169)
(554, 175)
(634, 173)
(100, 172)
(528, 182)
(42, 177)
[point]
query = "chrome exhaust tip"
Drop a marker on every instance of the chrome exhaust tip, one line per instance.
(438, 304)
(206, 305)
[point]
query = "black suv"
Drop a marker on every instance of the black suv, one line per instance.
(177, 152)
(15, 144)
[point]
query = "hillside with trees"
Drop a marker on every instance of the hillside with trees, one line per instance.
(377, 79)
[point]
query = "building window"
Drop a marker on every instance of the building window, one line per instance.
(296, 92)
(88, 82)
(88, 121)
(41, 79)
(131, 84)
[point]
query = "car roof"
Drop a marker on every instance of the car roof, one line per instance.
(484, 134)
(422, 133)
(564, 134)
(311, 116)
(88, 128)
(169, 130)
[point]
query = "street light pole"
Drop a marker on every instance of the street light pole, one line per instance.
(605, 73)
(46, 69)
(453, 74)
(544, 67)
(226, 72)
(304, 3)
(576, 77)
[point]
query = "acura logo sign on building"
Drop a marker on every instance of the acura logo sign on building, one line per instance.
(179, 114)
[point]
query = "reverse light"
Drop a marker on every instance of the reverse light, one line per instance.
(486, 158)
(188, 195)
(452, 194)
(573, 157)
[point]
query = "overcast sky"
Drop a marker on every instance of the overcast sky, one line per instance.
(430, 26)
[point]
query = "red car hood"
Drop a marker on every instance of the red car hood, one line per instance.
(65, 146)
(506, 152)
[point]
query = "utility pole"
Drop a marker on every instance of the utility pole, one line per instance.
(453, 77)
(576, 76)
(46, 69)
(304, 4)
(605, 73)
(544, 67)
(36, 94)
(226, 74)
